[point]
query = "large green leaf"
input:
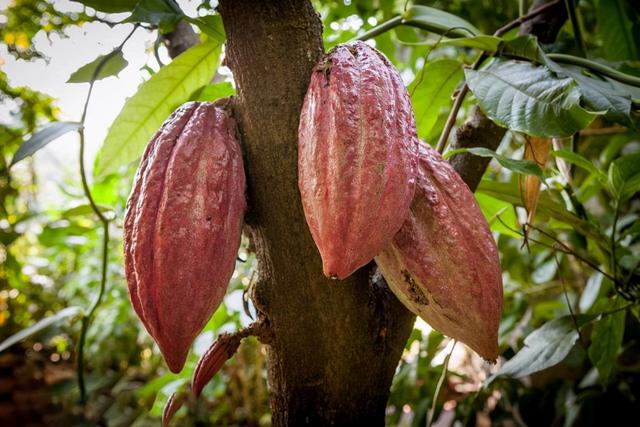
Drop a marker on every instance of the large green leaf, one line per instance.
(114, 63)
(42, 137)
(431, 91)
(529, 99)
(545, 347)
(156, 98)
(616, 27)
(602, 94)
(438, 21)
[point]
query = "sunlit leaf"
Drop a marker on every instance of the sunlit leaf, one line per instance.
(438, 21)
(213, 92)
(431, 91)
(113, 65)
(156, 98)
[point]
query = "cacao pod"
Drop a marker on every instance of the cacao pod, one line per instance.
(356, 156)
(443, 264)
(183, 224)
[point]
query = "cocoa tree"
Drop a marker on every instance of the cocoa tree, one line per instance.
(334, 346)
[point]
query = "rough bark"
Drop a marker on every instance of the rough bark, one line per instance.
(181, 39)
(333, 345)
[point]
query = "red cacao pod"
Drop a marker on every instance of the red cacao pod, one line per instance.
(443, 264)
(183, 224)
(356, 156)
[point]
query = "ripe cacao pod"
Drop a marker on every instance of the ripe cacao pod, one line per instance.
(443, 264)
(183, 224)
(356, 156)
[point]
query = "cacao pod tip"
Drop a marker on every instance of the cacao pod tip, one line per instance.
(211, 362)
(171, 407)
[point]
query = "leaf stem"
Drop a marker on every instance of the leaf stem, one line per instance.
(570, 6)
(86, 319)
(445, 368)
(595, 67)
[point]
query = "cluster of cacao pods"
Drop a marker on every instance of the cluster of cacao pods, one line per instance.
(183, 225)
(371, 190)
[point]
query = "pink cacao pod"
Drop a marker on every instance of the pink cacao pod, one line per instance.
(183, 224)
(356, 156)
(443, 265)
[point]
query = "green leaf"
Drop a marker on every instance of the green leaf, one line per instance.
(213, 92)
(582, 162)
(110, 6)
(438, 21)
(624, 176)
(524, 47)
(545, 347)
(114, 63)
(615, 26)
(38, 326)
(509, 192)
(482, 42)
(42, 137)
(431, 92)
(529, 99)
(606, 339)
(525, 167)
(493, 208)
(164, 13)
(211, 25)
(82, 210)
(156, 98)
(602, 94)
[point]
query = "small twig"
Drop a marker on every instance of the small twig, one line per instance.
(445, 367)
(577, 32)
(566, 298)
(603, 131)
(561, 246)
(86, 319)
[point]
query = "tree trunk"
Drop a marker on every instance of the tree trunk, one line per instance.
(333, 345)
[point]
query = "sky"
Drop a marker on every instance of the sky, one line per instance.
(57, 163)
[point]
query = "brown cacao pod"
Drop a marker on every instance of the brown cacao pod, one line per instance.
(356, 156)
(183, 224)
(443, 264)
